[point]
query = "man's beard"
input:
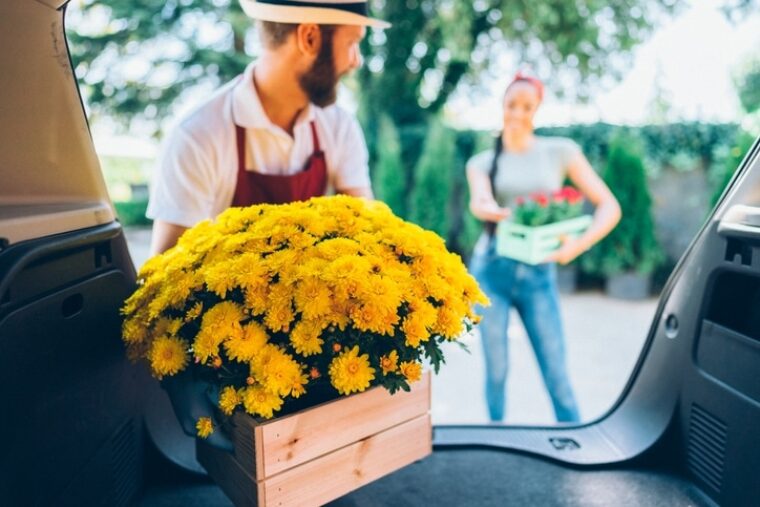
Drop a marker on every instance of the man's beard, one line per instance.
(320, 82)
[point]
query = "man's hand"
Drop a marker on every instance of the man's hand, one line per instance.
(191, 400)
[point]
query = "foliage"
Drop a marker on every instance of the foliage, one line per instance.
(748, 86)
(388, 177)
(542, 209)
(632, 245)
(435, 45)
(271, 300)
(132, 212)
(433, 181)
(729, 164)
(663, 145)
(135, 59)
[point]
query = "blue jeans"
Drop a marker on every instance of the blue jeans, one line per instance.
(532, 290)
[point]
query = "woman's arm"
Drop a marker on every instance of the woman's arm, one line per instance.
(606, 216)
(482, 203)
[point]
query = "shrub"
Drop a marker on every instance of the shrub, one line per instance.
(433, 177)
(132, 212)
(632, 245)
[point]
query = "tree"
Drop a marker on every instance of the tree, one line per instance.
(748, 85)
(412, 68)
(433, 181)
(135, 58)
(387, 178)
(632, 245)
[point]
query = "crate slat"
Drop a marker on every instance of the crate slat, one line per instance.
(327, 477)
(239, 486)
(332, 476)
(269, 448)
(534, 244)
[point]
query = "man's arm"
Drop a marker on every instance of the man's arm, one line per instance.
(165, 236)
(365, 192)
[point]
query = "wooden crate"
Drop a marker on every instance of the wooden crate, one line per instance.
(321, 453)
(532, 245)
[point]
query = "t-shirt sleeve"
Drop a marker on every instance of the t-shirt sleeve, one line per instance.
(568, 150)
(352, 165)
(182, 190)
(481, 162)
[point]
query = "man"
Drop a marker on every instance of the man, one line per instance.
(273, 134)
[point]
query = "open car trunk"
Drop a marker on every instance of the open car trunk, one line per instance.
(682, 433)
(72, 424)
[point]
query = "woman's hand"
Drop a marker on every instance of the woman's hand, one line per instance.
(488, 210)
(568, 252)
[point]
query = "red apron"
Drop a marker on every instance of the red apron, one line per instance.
(257, 188)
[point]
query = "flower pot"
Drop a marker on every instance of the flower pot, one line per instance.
(630, 285)
(321, 453)
(567, 278)
(532, 245)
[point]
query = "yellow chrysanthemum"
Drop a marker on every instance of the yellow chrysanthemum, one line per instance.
(305, 337)
(411, 370)
(350, 372)
(282, 374)
(389, 363)
(246, 345)
(219, 323)
(218, 279)
(259, 401)
(229, 399)
(134, 331)
(312, 298)
(415, 331)
(194, 312)
(313, 270)
(257, 299)
(167, 356)
(204, 426)
(166, 327)
(449, 324)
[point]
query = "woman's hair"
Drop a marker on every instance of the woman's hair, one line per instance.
(525, 78)
(490, 227)
(498, 149)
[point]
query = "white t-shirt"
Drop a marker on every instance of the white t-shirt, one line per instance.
(197, 171)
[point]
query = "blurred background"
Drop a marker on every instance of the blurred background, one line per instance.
(671, 88)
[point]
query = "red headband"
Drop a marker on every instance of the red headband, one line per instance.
(533, 81)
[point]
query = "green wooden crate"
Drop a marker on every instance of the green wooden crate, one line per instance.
(532, 245)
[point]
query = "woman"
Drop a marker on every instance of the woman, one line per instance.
(521, 164)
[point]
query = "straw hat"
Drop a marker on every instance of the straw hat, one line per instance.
(324, 12)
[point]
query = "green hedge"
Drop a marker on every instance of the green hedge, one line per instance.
(132, 212)
(400, 154)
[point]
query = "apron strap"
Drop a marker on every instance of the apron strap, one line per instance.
(240, 138)
(240, 135)
(314, 136)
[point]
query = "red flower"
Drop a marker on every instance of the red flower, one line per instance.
(572, 195)
(520, 201)
(540, 199)
(559, 196)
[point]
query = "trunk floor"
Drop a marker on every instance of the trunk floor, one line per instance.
(480, 477)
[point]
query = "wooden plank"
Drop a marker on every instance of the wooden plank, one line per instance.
(229, 475)
(342, 471)
(292, 440)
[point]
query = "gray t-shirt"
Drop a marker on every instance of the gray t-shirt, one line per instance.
(542, 168)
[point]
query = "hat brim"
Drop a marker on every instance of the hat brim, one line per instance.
(316, 15)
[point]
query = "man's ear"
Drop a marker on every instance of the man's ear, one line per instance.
(309, 39)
